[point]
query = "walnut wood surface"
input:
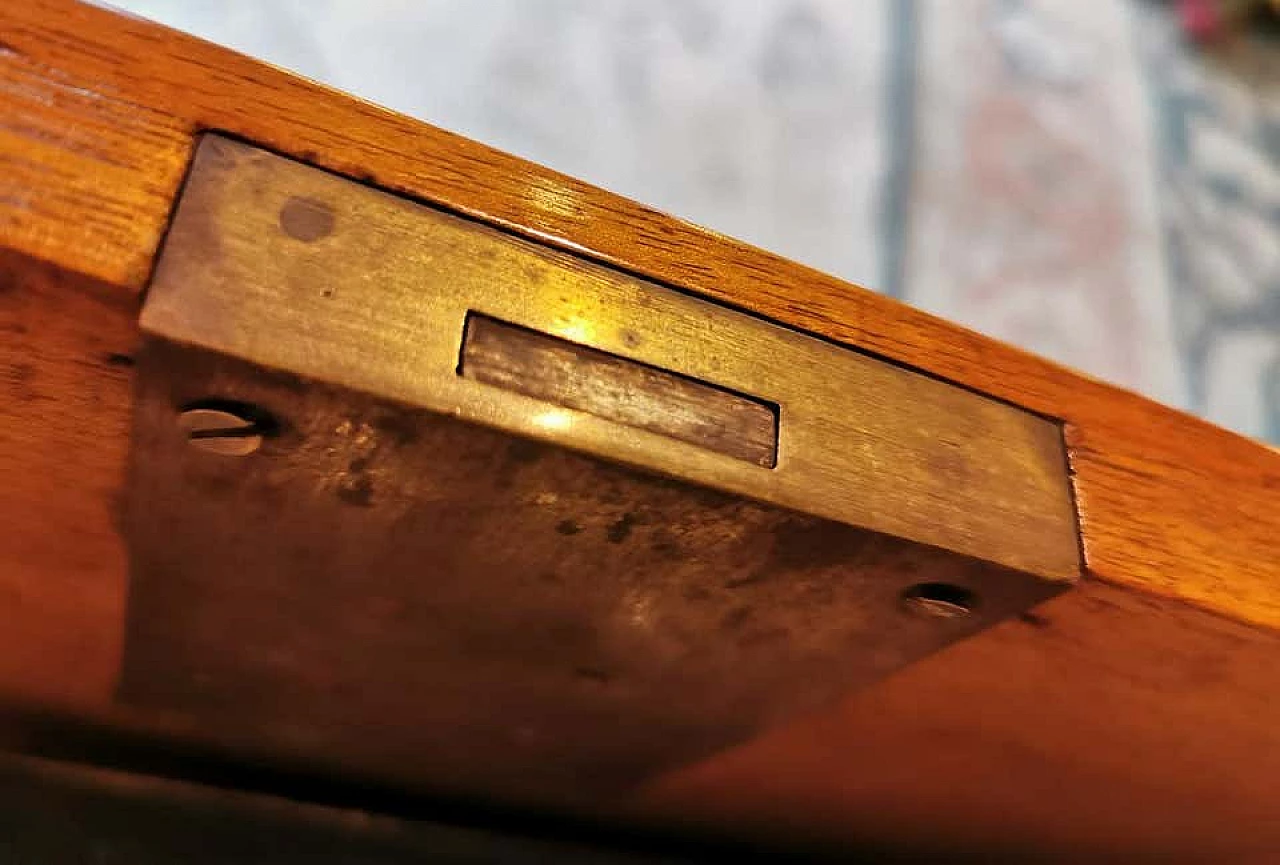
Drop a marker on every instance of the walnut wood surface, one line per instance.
(1116, 721)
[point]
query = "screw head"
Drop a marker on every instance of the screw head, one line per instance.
(940, 600)
(221, 432)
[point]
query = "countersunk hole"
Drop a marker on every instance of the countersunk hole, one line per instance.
(941, 600)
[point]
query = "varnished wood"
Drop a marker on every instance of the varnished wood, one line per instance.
(1106, 727)
(66, 346)
(1117, 718)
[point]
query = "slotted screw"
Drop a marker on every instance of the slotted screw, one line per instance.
(221, 432)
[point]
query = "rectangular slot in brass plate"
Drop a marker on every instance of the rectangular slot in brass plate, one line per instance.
(605, 385)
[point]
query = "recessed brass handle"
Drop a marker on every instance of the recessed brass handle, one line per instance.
(292, 268)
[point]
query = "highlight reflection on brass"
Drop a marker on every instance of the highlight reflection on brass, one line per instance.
(556, 419)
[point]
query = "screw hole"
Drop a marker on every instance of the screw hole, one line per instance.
(940, 600)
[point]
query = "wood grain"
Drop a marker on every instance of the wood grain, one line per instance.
(65, 364)
(96, 116)
(1116, 722)
(1106, 727)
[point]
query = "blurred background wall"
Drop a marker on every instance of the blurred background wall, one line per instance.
(1066, 175)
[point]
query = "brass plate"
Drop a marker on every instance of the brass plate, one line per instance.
(292, 268)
